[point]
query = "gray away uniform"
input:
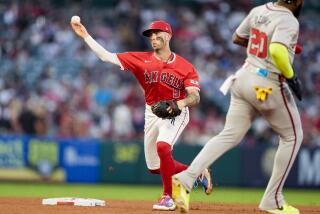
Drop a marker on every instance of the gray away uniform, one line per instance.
(264, 25)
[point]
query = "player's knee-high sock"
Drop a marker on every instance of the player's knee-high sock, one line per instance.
(179, 167)
(166, 166)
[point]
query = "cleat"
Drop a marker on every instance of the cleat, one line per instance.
(180, 195)
(205, 180)
(285, 209)
(165, 203)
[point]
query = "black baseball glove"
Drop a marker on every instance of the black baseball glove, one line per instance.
(162, 110)
(295, 85)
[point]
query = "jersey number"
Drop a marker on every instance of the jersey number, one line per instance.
(258, 43)
(176, 93)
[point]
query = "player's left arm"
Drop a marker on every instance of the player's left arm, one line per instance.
(283, 41)
(192, 88)
(280, 56)
(192, 99)
(284, 37)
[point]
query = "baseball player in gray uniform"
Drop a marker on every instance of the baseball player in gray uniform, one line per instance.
(263, 86)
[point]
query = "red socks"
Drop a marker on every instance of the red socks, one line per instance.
(179, 167)
(168, 166)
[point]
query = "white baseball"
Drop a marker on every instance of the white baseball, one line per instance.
(75, 19)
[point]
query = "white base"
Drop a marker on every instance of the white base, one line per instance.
(87, 202)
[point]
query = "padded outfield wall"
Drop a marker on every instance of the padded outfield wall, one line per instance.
(25, 158)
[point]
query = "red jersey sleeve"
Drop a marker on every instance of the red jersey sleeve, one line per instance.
(192, 80)
(130, 61)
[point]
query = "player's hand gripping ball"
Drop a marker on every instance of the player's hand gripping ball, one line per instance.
(166, 109)
(75, 19)
(78, 28)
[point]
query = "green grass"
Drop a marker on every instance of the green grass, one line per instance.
(138, 192)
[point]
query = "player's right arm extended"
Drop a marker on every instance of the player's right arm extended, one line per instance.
(102, 53)
(280, 56)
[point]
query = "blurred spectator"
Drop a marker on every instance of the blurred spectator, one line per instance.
(122, 122)
(27, 120)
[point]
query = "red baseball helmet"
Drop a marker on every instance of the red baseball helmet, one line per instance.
(158, 25)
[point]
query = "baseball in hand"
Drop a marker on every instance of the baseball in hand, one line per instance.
(75, 19)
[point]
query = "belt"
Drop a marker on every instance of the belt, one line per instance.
(266, 73)
(269, 74)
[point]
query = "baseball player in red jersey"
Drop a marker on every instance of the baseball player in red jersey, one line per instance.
(263, 86)
(164, 75)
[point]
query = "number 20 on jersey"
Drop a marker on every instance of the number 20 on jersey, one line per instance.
(258, 43)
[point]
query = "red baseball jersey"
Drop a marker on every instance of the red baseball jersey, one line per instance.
(160, 80)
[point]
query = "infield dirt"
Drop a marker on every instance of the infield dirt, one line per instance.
(33, 206)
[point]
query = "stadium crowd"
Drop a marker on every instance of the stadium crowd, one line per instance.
(52, 84)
